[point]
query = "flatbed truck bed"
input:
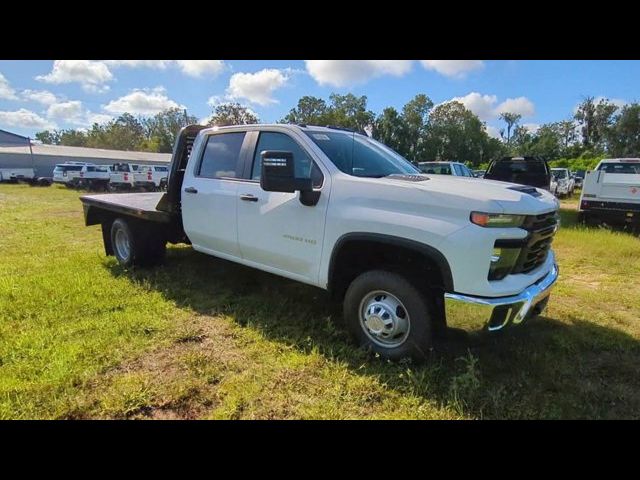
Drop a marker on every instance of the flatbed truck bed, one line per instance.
(143, 206)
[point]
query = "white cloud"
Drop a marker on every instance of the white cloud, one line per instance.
(618, 102)
(159, 64)
(193, 68)
(90, 74)
(482, 105)
(142, 102)
(199, 68)
(25, 119)
(342, 73)
(44, 97)
(493, 131)
(71, 111)
(6, 91)
(521, 105)
(256, 87)
(531, 127)
(92, 118)
(453, 68)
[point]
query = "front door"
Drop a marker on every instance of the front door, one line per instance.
(275, 231)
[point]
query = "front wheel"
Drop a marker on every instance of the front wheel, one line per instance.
(386, 313)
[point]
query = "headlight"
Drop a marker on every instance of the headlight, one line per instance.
(493, 220)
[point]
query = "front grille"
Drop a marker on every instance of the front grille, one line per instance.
(541, 230)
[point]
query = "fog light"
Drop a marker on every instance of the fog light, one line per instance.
(502, 262)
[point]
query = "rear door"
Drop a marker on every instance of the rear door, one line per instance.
(209, 194)
(276, 232)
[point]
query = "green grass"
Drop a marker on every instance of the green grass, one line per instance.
(80, 337)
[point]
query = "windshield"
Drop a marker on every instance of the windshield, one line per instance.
(435, 168)
(360, 156)
(559, 173)
(632, 168)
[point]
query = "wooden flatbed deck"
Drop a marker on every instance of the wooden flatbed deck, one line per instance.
(139, 205)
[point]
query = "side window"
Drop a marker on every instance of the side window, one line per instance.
(305, 167)
(221, 154)
(458, 169)
(467, 172)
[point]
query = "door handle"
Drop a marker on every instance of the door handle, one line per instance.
(247, 197)
(190, 190)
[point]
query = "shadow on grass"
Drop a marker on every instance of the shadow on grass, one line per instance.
(544, 369)
(569, 219)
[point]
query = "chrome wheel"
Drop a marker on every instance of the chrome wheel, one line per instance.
(122, 244)
(384, 319)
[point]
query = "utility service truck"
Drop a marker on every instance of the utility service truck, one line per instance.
(611, 192)
(407, 253)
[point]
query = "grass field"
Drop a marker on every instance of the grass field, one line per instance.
(81, 337)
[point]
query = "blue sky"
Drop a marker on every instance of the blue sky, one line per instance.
(35, 95)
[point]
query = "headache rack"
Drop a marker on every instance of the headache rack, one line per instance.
(541, 230)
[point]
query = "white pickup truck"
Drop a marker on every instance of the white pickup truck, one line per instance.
(611, 192)
(151, 177)
(408, 253)
(93, 177)
(121, 176)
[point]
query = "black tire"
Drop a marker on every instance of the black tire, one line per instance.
(418, 341)
(146, 246)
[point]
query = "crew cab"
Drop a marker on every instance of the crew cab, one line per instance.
(121, 176)
(151, 177)
(406, 252)
(611, 192)
(455, 169)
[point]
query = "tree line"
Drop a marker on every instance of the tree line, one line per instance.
(419, 131)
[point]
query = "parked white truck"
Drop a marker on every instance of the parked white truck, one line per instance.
(121, 176)
(611, 192)
(408, 253)
(93, 177)
(151, 177)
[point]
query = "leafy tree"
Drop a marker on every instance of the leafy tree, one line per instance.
(162, 128)
(232, 114)
(49, 138)
(415, 115)
(595, 120)
(455, 133)
(309, 111)
(349, 111)
(389, 128)
(73, 138)
(624, 135)
(511, 119)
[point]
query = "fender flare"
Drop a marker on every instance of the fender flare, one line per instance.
(427, 250)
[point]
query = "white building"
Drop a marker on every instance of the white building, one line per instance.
(16, 151)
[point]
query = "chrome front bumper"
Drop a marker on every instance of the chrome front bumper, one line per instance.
(465, 311)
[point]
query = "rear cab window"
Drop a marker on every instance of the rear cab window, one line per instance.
(221, 155)
(629, 168)
(436, 168)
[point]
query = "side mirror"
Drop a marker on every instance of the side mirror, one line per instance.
(278, 173)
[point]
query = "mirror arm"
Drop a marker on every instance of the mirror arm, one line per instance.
(309, 198)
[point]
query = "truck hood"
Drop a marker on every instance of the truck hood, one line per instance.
(502, 196)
